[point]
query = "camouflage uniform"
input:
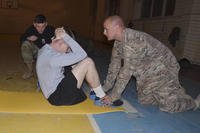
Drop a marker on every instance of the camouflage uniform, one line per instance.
(29, 51)
(155, 69)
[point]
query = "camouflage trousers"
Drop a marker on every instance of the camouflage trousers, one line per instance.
(164, 90)
(174, 101)
(29, 51)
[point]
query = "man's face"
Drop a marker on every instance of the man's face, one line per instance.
(109, 30)
(61, 46)
(40, 27)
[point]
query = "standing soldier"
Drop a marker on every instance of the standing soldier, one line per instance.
(154, 66)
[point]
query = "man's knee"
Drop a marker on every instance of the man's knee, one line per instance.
(147, 100)
(25, 45)
(177, 104)
(26, 51)
(88, 61)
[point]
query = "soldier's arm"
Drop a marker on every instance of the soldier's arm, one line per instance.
(125, 72)
(114, 67)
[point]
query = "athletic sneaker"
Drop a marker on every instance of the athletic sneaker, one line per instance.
(116, 103)
(92, 95)
(98, 102)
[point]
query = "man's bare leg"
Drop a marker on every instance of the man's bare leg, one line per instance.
(86, 70)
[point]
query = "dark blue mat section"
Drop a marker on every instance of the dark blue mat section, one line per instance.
(152, 119)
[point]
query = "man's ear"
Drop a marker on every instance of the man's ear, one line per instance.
(34, 24)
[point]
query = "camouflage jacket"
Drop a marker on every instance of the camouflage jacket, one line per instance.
(139, 55)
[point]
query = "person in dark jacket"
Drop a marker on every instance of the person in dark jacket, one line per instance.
(34, 38)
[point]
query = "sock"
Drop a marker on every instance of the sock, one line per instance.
(99, 91)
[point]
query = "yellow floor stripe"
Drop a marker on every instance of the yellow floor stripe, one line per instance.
(36, 123)
(30, 102)
(21, 97)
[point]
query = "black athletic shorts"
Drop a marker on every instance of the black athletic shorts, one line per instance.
(67, 92)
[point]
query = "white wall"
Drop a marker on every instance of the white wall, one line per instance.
(186, 16)
(192, 43)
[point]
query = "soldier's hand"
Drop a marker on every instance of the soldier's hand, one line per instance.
(107, 86)
(32, 38)
(106, 100)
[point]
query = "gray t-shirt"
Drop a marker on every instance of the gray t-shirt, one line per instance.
(50, 64)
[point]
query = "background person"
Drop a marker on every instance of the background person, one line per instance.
(33, 39)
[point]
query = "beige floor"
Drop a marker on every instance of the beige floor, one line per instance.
(10, 58)
(12, 66)
(36, 123)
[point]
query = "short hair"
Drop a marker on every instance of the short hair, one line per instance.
(115, 19)
(40, 18)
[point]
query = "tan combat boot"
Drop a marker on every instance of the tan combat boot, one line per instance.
(29, 73)
(197, 102)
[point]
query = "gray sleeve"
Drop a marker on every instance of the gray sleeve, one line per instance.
(65, 59)
(75, 47)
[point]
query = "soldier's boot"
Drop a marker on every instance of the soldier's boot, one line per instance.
(197, 102)
(98, 101)
(29, 73)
